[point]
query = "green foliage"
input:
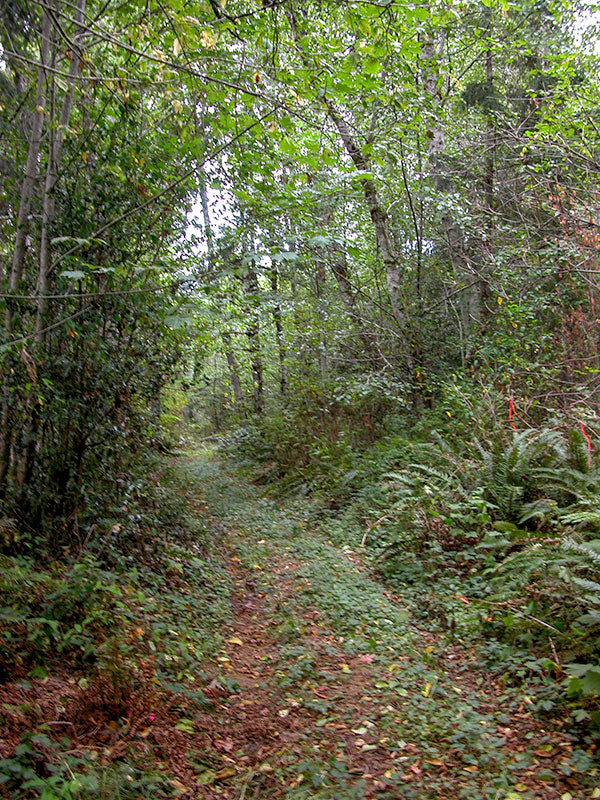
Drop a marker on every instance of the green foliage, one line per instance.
(49, 770)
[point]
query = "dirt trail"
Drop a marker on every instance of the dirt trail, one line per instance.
(264, 722)
(324, 689)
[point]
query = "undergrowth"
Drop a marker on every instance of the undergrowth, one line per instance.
(97, 637)
(496, 539)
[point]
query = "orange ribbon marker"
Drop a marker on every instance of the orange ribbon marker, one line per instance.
(511, 411)
(589, 444)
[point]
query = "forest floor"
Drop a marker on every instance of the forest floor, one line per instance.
(260, 657)
(325, 688)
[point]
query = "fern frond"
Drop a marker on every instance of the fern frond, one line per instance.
(580, 517)
(582, 549)
(586, 585)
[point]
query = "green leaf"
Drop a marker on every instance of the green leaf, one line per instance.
(73, 274)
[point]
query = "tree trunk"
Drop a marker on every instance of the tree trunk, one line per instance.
(234, 373)
(253, 334)
(22, 224)
(283, 378)
(322, 357)
(385, 244)
(55, 150)
(31, 166)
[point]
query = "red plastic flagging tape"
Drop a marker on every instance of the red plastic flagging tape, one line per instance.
(511, 411)
(589, 444)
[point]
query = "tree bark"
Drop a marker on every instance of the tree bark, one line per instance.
(22, 224)
(31, 167)
(55, 150)
(283, 378)
(379, 218)
(253, 334)
(234, 372)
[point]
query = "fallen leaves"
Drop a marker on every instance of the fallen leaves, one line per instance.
(367, 658)
(545, 751)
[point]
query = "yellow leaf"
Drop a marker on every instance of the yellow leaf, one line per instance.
(499, 301)
(235, 640)
(345, 668)
(222, 3)
(209, 38)
(226, 772)
(176, 47)
(84, 157)
(426, 690)
(178, 785)
(40, 109)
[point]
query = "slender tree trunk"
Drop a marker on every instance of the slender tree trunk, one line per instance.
(55, 150)
(490, 154)
(31, 164)
(322, 357)
(462, 268)
(339, 268)
(232, 362)
(379, 218)
(253, 334)
(234, 373)
(283, 378)
(22, 224)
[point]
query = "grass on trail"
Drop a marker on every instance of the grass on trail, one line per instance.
(325, 688)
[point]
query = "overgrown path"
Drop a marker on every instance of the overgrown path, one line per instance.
(324, 688)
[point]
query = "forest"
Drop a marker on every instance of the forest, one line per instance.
(299, 399)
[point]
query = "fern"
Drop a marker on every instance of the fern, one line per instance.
(583, 549)
(581, 517)
(578, 452)
(539, 510)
